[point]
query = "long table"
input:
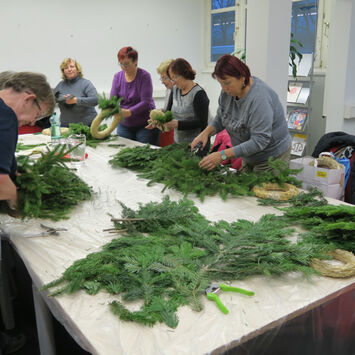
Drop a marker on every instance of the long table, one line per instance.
(88, 318)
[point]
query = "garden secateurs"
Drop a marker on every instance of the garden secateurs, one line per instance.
(211, 293)
(48, 231)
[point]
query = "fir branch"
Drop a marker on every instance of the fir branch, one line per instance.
(177, 168)
(109, 106)
(172, 263)
(80, 128)
(21, 146)
(47, 188)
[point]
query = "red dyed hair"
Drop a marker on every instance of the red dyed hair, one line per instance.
(231, 66)
(127, 52)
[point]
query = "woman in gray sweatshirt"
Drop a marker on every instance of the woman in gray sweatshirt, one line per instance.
(76, 96)
(253, 116)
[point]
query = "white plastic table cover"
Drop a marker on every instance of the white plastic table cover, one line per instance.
(88, 318)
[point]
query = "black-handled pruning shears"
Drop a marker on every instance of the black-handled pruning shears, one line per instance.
(198, 150)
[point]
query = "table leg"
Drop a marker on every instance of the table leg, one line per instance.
(5, 296)
(44, 324)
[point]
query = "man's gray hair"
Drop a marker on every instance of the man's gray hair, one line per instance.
(4, 77)
(35, 83)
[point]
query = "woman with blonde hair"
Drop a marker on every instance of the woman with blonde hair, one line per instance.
(76, 96)
(189, 104)
(162, 70)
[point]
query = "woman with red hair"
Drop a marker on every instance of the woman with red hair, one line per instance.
(253, 116)
(134, 86)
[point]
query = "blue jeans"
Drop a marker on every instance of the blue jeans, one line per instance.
(139, 134)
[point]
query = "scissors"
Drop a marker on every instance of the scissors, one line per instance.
(212, 290)
(48, 231)
(198, 150)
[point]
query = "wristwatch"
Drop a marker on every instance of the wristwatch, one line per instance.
(223, 155)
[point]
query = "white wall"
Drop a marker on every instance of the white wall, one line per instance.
(340, 76)
(269, 33)
(37, 35)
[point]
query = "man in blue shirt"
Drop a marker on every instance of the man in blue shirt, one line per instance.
(24, 99)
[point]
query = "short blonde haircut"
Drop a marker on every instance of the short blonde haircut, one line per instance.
(65, 63)
(163, 66)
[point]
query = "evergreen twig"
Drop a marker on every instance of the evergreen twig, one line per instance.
(170, 253)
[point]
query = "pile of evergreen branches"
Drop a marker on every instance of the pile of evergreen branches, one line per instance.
(47, 187)
(170, 253)
(80, 128)
(311, 211)
(177, 167)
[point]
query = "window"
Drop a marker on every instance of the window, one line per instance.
(304, 24)
(310, 26)
(226, 28)
(225, 36)
(222, 28)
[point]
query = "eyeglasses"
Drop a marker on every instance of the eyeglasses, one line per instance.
(125, 65)
(40, 115)
(165, 78)
(175, 77)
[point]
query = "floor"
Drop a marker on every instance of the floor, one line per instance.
(319, 332)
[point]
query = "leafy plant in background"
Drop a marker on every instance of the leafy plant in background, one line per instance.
(240, 53)
(294, 53)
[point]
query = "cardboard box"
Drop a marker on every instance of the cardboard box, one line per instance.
(335, 191)
(329, 181)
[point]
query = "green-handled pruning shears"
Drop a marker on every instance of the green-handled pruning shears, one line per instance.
(211, 293)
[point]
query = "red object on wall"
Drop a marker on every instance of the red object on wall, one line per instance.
(29, 129)
(166, 138)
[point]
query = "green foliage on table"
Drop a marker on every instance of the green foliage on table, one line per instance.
(335, 224)
(177, 168)
(311, 211)
(21, 146)
(47, 187)
(312, 197)
(169, 253)
(80, 128)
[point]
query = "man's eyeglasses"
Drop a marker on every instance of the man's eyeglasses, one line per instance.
(40, 115)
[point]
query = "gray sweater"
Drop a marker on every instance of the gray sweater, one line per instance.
(191, 111)
(256, 123)
(86, 94)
